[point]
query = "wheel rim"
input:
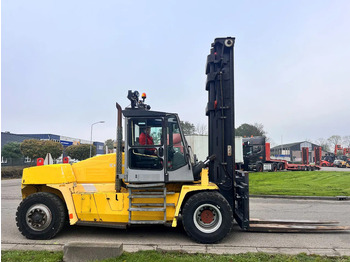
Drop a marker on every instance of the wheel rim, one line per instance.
(38, 217)
(207, 218)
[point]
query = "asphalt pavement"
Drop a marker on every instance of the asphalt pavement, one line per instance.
(167, 238)
(337, 169)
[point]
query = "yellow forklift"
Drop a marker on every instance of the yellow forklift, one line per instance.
(154, 179)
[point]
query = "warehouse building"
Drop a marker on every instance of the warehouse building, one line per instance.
(7, 137)
(293, 152)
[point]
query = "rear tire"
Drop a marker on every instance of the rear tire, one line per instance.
(259, 168)
(207, 217)
(274, 168)
(280, 166)
(41, 216)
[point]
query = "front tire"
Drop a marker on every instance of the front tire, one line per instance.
(207, 217)
(41, 216)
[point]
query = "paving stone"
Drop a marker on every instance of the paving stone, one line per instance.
(230, 250)
(8, 246)
(342, 251)
(323, 251)
(137, 247)
(279, 250)
(183, 248)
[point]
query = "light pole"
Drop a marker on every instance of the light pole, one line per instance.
(99, 122)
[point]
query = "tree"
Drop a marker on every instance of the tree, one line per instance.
(334, 140)
(201, 129)
(80, 152)
(188, 128)
(247, 130)
(110, 144)
(33, 148)
(54, 148)
(324, 144)
(12, 150)
(346, 141)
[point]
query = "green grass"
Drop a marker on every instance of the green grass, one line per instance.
(300, 183)
(31, 256)
(155, 256)
(183, 257)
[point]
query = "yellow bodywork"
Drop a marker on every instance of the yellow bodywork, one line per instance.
(88, 189)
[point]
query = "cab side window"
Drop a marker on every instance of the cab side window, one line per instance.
(175, 145)
(145, 140)
(257, 149)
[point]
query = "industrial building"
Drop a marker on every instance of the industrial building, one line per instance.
(293, 152)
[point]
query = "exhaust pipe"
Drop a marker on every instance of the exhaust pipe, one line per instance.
(118, 180)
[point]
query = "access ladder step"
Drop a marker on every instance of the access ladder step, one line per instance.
(153, 204)
(150, 193)
(159, 209)
(145, 192)
(143, 186)
(146, 222)
(146, 196)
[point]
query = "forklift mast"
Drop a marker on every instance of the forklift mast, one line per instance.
(220, 112)
(233, 184)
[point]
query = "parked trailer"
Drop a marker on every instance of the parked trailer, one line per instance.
(257, 157)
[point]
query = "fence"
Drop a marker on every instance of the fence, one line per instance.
(25, 162)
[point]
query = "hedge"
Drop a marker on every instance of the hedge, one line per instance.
(11, 172)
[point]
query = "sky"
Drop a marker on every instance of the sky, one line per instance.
(64, 64)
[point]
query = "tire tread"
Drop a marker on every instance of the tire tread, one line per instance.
(227, 218)
(58, 219)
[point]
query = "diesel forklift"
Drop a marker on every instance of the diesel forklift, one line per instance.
(154, 181)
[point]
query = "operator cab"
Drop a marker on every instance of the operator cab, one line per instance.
(155, 147)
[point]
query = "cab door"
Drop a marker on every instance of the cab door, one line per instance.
(178, 166)
(145, 149)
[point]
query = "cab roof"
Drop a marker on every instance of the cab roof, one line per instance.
(136, 112)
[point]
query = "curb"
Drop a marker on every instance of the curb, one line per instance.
(335, 198)
(83, 251)
(197, 248)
